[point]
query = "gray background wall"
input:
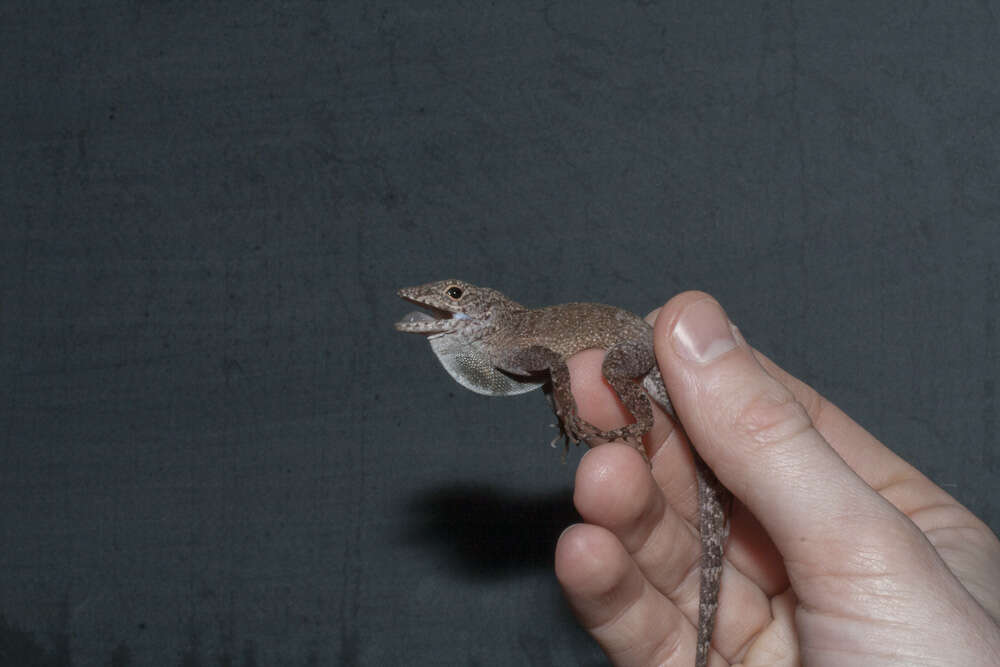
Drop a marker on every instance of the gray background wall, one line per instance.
(216, 451)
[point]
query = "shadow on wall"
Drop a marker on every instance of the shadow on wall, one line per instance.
(20, 648)
(487, 532)
(484, 532)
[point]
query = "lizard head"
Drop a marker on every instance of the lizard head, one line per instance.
(458, 315)
(454, 305)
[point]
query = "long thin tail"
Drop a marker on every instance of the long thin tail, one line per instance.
(712, 501)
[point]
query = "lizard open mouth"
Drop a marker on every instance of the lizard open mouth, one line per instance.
(419, 317)
(435, 321)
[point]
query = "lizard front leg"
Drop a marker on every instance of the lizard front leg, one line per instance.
(537, 358)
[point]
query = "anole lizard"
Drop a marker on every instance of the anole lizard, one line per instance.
(495, 346)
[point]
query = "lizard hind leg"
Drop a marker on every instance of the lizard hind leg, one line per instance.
(570, 423)
(622, 363)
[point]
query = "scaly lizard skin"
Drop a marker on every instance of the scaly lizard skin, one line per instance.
(495, 346)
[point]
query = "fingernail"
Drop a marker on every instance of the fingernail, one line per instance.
(703, 332)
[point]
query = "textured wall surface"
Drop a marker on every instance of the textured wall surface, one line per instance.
(214, 450)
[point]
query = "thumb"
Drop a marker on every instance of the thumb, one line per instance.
(752, 432)
(863, 573)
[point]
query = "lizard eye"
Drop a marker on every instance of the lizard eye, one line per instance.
(454, 292)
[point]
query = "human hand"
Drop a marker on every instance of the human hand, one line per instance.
(839, 553)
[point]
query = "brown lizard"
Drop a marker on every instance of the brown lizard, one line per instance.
(495, 346)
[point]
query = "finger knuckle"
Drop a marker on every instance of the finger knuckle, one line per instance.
(771, 417)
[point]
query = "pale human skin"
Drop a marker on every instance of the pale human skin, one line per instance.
(840, 552)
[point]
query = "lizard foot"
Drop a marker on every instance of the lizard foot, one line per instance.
(631, 434)
(572, 428)
(580, 431)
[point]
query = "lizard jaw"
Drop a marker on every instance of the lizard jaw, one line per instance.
(420, 322)
(443, 316)
(438, 321)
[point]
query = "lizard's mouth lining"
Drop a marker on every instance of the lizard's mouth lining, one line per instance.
(424, 316)
(431, 320)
